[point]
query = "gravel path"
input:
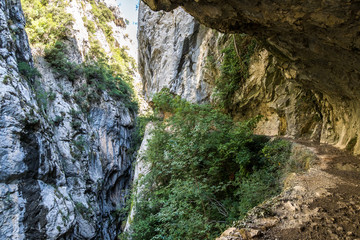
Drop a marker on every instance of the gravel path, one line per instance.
(322, 203)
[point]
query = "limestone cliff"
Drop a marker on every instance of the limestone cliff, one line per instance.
(318, 40)
(172, 49)
(302, 78)
(65, 166)
(183, 67)
(311, 52)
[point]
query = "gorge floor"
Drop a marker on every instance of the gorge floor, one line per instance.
(322, 203)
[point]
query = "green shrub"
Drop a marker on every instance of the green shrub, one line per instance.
(75, 114)
(29, 72)
(76, 124)
(47, 21)
(234, 68)
(90, 25)
(206, 172)
(51, 95)
(103, 78)
(66, 96)
(7, 80)
(48, 25)
(58, 119)
(84, 211)
(79, 143)
(56, 57)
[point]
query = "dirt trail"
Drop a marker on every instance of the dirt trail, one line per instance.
(322, 203)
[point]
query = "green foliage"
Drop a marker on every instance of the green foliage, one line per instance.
(99, 76)
(41, 96)
(47, 21)
(48, 26)
(56, 57)
(51, 95)
(96, 51)
(206, 172)
(102, 13)
(58, 119)
(119, 60)
(84, 211)
(90, 25)
(66, 96)
(76, 120)
(137, 137)
(234, 68)
(7, 80)
(118, 86)
(79, 143)
(30, 73)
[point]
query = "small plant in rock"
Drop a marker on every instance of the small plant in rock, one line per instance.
(74, 113)
(7, 80)
(76, 124)
(67, 96)
(58, 119)
(29, 72)
(234, 68)
(80, 143)
(84, 211)
(90, 25)
(51, 95)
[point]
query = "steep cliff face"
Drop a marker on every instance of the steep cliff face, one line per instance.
(65, 165)
(288, 109)
(321, 36)
(172, 53)
(305, 77)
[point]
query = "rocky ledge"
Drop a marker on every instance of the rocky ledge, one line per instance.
(316, 42)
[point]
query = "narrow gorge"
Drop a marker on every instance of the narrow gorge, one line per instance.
(223, 119)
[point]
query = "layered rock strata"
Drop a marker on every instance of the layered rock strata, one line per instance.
(64, 173)
(316, 47)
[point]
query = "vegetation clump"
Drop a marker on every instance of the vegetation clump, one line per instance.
(29, 72)
(48, 26)
(99, 75)
(118, 86)
(234, 68)
(206, 172)
(47, 21)
(56, 57)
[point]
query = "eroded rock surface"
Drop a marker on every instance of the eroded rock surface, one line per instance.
(315, 42)
(64, 173)
(288, 109)
(172, 53)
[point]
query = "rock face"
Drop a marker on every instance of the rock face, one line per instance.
(64, 173)
(316, 49)
(141, 168)
(267, 91)
(322, 36)
(172, 53)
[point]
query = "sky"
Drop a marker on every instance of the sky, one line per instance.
(129, 10)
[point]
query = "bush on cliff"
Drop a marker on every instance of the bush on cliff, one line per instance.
(206, 172)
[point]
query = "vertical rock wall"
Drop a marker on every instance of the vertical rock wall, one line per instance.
(317, 41)
(172, 53)
(175, 51)
(57, 181)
